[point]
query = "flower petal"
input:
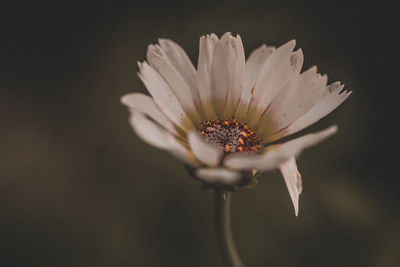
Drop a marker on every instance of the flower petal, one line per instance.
(227, 74)
(157, 136)
(237, 82)
(293, 181)
(147, 106)
(218, 175)
(206, 50)
(203, 150)
(253, 66)
(177, 84)
(275, 155)
(179, 59)
(164, 97)
(331, 99)
(292, 101)
(279, 69)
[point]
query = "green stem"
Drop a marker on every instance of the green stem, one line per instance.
(223, 229)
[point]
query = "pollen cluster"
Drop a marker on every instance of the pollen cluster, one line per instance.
(230, 135)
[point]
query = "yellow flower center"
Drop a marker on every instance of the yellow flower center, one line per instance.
(230, 135)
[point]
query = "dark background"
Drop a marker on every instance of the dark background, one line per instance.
(78, 188)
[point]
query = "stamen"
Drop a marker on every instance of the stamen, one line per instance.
(241, 141)
(230, 135)
(226, 148)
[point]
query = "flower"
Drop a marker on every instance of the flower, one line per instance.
(226, 119)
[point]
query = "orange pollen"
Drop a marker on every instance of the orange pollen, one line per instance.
(226, 148)
(230, 135)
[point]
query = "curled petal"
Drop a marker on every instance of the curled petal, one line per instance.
(293, 181)
(203, 150)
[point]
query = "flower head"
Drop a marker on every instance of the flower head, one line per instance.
(226, 118)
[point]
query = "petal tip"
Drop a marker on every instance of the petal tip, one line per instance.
(124, 100)
(296, 212)
(332, 130)
(291, 43)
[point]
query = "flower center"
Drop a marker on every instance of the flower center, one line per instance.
(230, 135)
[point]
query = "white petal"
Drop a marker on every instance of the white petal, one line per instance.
(330, 101)
(218, 175)
(237, 78)
(206, 50)
(275, 155)
(147, 106)
(179, 59)
(164, 97)
(175, 81)
(158, 137)
(253, 66)
(279, 69)
(203, 150)
(293, 181)
(292, 101)
(227, 74)
(182, 153)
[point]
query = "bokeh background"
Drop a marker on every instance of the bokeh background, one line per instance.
(78, 188)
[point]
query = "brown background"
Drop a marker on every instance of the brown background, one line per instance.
(78, 188)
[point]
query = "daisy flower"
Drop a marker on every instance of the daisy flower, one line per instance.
(227, 118)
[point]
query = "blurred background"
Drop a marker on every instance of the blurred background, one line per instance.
(78, 188)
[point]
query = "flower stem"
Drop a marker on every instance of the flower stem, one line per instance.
(222, 204)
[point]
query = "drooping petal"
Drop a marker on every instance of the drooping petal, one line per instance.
(292, 101)
(275, 155)
(177, 84)
(203, 75)
(159, 137)
(164, 97)
(330, 100)
(279, 69)
(253, 66)
(218, 175)
(293, 181)
(147, 106)
(226, 81)
(203, 150)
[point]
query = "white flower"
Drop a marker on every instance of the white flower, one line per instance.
(222, 118)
